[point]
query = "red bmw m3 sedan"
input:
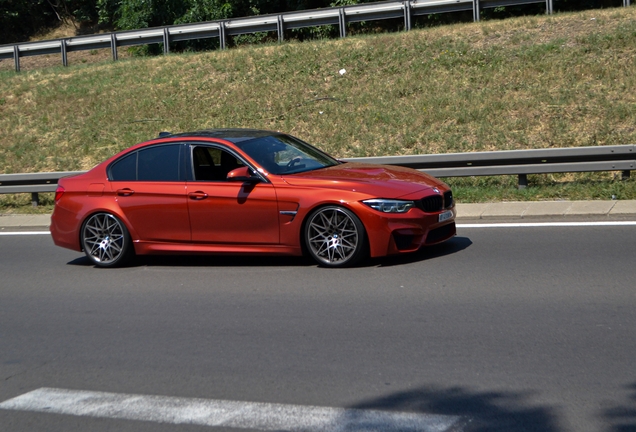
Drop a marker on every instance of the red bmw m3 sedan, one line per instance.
(243, 191)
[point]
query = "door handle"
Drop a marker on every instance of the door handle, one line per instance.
(198, 195)
(125, 192)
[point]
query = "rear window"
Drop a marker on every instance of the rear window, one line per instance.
(125, 168)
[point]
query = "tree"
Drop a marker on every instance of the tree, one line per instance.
(20, 19)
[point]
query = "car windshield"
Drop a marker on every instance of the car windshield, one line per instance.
(283, 154)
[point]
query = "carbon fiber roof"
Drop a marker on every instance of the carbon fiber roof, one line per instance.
(232, 135)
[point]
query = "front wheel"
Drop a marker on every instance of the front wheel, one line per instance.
(335, 237)
(106, 240)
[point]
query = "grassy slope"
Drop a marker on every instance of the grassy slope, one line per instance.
(530, 82)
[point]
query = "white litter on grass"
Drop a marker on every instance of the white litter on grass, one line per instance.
(342, 71)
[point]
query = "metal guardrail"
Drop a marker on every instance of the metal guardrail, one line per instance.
(33, 183)
(512, 162)
(340, 16)
(519, 162)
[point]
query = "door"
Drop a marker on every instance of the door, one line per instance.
(149, 186)
(229, 212)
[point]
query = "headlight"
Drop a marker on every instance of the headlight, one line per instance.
(389, 205)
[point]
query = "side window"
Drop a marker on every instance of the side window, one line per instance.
(125, 169)
(213, 164)
(160, 163)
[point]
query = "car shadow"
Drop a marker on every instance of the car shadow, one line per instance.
(451, 246)
(494, 411)
(207, 261)
(623, 417)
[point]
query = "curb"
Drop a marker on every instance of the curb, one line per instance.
(549, 209)
(22, 221)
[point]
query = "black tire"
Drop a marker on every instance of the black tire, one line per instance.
(106, 240)
(335, 237)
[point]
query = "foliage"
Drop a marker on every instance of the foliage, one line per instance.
(578, 5)
(502, 12)
(19, 19)
(106, 11)
(135, 14)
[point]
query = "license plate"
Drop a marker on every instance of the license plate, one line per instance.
(445, 216)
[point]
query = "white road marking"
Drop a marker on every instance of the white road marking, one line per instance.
(210, 412)
(25, 233)
(459, 225)
(546, 224)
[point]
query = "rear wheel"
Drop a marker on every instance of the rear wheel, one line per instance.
(335, 237)
(106, 241)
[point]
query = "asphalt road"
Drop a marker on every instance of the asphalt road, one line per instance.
(513, 329)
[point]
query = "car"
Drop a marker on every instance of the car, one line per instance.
(246, 191)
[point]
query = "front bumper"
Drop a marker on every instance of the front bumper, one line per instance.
(393, 233)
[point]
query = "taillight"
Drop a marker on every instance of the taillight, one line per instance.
(58, 193)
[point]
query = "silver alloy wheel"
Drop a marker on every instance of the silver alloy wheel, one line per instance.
(105, 239)
(333, 236)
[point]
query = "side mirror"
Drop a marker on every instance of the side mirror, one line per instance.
(242, 174)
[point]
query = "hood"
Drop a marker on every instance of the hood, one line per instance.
(382, 181)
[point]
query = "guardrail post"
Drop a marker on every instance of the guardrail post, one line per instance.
(548, 7)
(523, 181)
(476, 10)
(280, 28)
(166, 41)
(222, 34)
(35, 199)
(113, 46)
(16, 57)
(407, 15)
(64, 54)
(342, 22)
(625, 175)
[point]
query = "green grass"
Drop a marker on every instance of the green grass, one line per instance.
(608, 186)
(523, 83)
